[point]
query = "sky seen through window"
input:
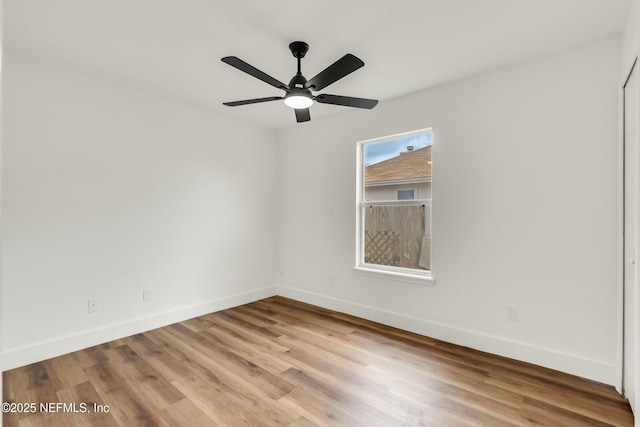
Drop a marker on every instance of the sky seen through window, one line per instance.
(380, 151)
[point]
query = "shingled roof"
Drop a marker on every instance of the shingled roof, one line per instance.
(414, 164)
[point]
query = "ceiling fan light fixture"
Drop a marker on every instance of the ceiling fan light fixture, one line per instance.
(298, 101)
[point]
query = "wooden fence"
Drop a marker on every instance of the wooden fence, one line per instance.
(395, 235)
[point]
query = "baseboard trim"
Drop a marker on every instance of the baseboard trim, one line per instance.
(569, 363)
(15, 358)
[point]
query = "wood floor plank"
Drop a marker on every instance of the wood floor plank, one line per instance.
(308, 402)
(280, 362)
(225, 324)
(338, 345)
(129, 406)
(330, 383)
(543, 413)
(249, 314)
(186, 413)
(259, 380)
(570, 401)
(158, 357)
(239, 401)
(95, 415)
(302, 422)
(66, 369)
(156, 389)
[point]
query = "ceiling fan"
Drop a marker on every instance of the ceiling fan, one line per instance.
(298, 93)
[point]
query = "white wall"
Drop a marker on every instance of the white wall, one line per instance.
(108, 190)
(524, 214)
(1, 62)
(631, 36)
(630, 52)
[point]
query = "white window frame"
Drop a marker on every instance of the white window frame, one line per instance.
(408, 275)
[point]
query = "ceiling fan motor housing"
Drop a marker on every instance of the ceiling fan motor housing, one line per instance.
(297, 82)
(298, 49)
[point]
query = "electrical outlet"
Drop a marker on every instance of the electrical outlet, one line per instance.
(512, 314)
(92, 305)
(146, 294)
(332, 280)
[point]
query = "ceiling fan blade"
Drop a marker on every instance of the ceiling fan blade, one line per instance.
(253, 71)
(302, 115)
(252, 101)
(347, 101)
(334, 72)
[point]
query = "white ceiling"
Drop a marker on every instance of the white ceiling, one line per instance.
(173, 47)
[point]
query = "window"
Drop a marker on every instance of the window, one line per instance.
(393, 221)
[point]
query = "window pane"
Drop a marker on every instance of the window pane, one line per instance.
(389, 165)
(398, 236)
(394, 225)
(406, 195)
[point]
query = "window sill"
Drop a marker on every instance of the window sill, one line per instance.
(426, 279)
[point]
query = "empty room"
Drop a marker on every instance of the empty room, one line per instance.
(329, 213)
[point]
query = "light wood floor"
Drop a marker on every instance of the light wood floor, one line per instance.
(279, 362)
